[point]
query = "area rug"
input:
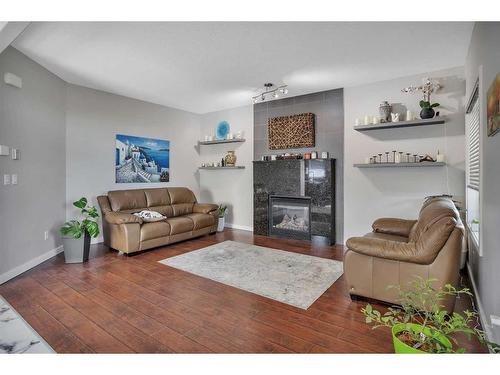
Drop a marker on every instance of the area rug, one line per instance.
(291, 278)
(17, 336)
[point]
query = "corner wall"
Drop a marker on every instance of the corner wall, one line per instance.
(233, 188)
(399, 192)
(32, 120)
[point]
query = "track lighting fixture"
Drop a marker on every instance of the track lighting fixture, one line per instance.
(270, 91)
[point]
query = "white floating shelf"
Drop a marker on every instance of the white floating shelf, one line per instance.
(402, 124)
(220, 141)
(401, 165)
(236, 167)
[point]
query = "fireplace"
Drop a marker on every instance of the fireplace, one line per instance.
(290, 217)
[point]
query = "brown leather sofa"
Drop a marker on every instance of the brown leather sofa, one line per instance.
(398, 250)
(128, 233)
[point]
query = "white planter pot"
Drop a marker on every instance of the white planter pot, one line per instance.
(220, 224)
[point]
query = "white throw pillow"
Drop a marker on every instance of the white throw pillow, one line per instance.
(150, 216)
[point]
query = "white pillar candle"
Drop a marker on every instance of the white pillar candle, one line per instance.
(409, 115)
(367, 120)
(440, 158)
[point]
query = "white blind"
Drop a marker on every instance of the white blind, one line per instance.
(473, 144)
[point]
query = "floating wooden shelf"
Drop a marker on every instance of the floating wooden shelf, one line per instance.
(401, 165)
(220, 141)
(236, 167)
(401, 124)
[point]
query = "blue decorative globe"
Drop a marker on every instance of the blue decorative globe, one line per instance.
(222, 130)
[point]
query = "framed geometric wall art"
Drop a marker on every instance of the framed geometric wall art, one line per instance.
(141, 160)
(493, 107)
(295, 131)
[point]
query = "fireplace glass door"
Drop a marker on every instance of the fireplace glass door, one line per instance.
(290, 217)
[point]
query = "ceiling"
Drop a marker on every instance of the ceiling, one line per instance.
(204, 67)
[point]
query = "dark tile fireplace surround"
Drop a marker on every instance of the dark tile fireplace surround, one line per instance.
(295, 198)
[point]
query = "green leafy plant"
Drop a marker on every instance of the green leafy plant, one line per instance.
(221, 211)
(87, 223)
(427, 105)
(421, 304)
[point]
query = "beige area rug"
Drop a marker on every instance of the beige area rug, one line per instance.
(291, 278)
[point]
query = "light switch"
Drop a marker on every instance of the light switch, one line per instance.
(13, 179)
(6, 179)
(15, 154)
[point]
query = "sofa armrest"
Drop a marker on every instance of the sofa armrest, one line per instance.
(386, 249)
(398, 227)
(204, 208)
(121, 218)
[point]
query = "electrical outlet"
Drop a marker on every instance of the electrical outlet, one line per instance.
(6, 179)
(46, 235)
(13, 179)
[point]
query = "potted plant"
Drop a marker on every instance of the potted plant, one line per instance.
(221, 213)
(77, 233)
(431, 330)
(427, 109)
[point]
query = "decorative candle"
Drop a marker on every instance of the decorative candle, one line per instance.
(440, 157)
(409, 115)
(367, 120)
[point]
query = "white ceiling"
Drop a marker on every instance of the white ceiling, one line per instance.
(204, 67)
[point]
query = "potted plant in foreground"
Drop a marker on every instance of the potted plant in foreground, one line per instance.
(221, 214)
(432, 330)
(77, 233)
(427, 109)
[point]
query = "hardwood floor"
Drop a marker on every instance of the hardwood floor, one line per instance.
(125, 304)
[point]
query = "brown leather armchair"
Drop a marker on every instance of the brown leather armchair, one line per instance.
(128, 233)
(398, 250)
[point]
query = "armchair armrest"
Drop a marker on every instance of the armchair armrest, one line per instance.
(204, 208)
(121, 218)
(398, 227)
(376, 247)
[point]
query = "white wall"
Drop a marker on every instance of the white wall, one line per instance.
(484, 54)
(233, 188)
(373, 193)
(93, 118)
(32, 120)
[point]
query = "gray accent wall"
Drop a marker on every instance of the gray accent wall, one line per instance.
(328, 108)
(32, 119)
(483, 62)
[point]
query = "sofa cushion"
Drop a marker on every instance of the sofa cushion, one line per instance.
(129, 200)
(433, 210)
(167, 211)
(180, 224)
(158, 229)
(181, 195)
(157, 197)
(201, 220)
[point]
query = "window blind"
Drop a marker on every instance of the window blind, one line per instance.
(473, 141)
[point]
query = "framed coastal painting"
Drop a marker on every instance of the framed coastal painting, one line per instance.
(141, 160)
(493, 106)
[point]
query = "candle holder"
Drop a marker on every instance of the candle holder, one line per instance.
(387, 156)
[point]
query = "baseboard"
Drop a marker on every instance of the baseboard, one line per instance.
(29, 265)
(482, 317)
(237, 226)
